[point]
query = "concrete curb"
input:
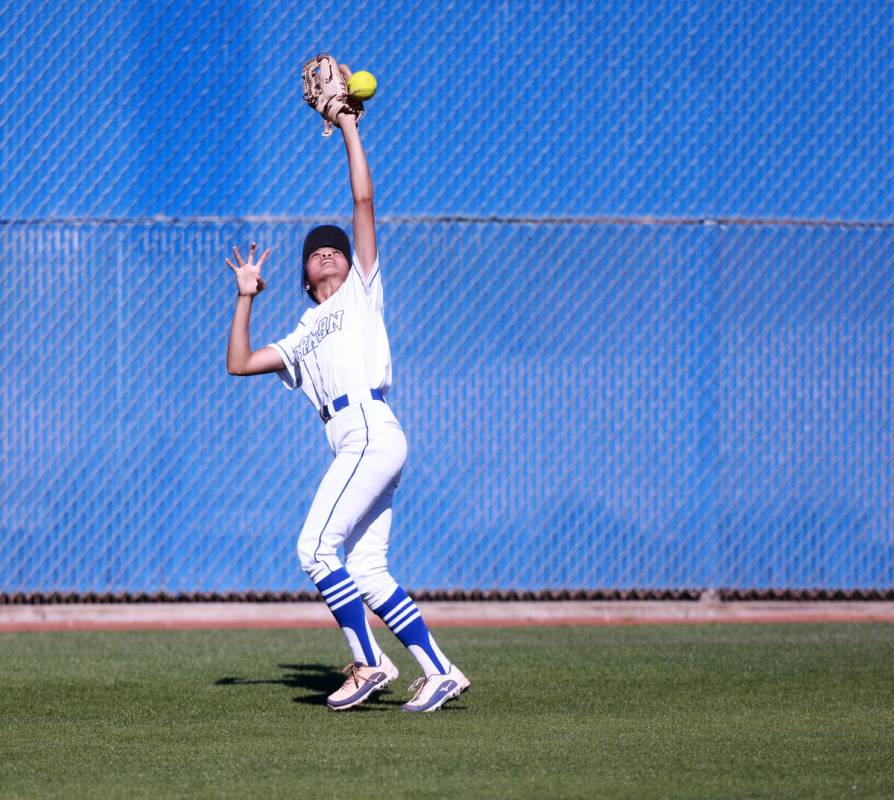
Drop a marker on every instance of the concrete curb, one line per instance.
(191, 616)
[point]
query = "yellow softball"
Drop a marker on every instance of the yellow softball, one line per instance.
(362, 85)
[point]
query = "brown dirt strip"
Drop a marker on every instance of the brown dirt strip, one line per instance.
(224, 616)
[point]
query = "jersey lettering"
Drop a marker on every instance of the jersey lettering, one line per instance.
(325, 326)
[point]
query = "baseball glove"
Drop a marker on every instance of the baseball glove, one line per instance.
(326, 90)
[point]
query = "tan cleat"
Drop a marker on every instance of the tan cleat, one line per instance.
(435, 690)
(362, 682)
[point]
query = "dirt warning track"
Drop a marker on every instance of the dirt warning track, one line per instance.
(192, 616)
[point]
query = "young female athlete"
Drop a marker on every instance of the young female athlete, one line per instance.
(339, 355)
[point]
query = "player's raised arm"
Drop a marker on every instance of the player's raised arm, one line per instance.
(362, 190)
(240, 358)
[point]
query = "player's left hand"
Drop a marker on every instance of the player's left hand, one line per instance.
(326, 90)
(248, 274)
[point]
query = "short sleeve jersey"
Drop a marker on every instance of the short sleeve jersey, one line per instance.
(340, 345)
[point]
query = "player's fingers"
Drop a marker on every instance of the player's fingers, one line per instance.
(263, 257)
(239, 259)
(346, 71)
(231, 265)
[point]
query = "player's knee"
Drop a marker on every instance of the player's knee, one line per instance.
(372, 578)
(375, 591)
(308, 555)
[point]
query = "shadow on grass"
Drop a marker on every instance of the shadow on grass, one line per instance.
(317, 681)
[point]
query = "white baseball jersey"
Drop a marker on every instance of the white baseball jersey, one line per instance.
(341, 345)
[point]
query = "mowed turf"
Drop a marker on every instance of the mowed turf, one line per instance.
(641, 712)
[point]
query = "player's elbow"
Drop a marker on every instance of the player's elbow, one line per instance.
(235, 369)
(363, 199)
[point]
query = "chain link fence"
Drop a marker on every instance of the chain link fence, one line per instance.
(126, 109)
(602, 389)
(616, 405)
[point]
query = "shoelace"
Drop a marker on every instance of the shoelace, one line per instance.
(417, 686)
(353, 673)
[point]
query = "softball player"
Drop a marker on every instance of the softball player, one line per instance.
(339, 355)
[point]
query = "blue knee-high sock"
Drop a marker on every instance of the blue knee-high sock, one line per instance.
(400, 614)
(341, 595)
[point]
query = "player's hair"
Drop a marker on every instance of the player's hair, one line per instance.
(323, 236)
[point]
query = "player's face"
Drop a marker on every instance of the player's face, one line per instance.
(326, 262)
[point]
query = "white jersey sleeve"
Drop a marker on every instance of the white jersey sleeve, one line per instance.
(371, 287)
(288, 349)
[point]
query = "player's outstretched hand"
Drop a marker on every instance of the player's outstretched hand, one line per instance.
(248, 273)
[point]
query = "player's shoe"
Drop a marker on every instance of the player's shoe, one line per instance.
(362, 682)
(435, 690)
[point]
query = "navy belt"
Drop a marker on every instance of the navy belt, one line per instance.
(326, 412)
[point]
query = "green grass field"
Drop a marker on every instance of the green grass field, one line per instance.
(776, 711)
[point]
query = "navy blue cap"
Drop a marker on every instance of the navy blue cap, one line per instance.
(323, 236)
